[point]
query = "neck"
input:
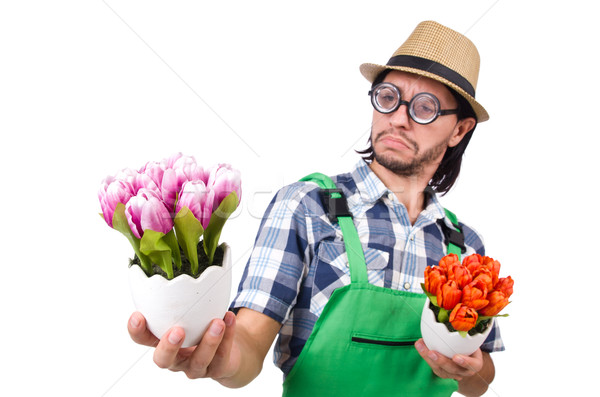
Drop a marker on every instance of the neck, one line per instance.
(408, 189)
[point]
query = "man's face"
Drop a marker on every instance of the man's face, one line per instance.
(404, 146)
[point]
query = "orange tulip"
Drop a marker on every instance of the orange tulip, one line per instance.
(472, 262)
(434, 278)
(460, 274)
(449, 295)
(475, 294)
(463, 318)
(448, 260)
(505, 285)
(497, 302)
(494, 267)
(485, 275)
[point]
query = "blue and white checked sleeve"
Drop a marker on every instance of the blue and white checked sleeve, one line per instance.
(279, 260)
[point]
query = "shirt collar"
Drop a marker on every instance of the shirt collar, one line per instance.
(434, 209)
(372, 189)
(369, 185)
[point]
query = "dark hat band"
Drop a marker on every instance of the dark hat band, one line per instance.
(433, 67)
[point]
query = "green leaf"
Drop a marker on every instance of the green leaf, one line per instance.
(431, 296)
(443, 316)
(120, 224)
(171, 241)
(217, 221)
(481, 319)
(463, 333)
(189, 230)
(158, 250)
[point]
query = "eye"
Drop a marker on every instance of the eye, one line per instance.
(387, 98)
(425, 106)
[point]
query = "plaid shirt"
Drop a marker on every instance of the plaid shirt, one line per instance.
(299, 256)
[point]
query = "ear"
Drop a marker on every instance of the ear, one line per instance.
(460, 130)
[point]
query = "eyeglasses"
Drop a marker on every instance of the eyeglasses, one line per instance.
(423, 108)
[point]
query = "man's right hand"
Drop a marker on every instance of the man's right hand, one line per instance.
(231, 351)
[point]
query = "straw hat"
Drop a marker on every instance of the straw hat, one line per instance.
(435, 51)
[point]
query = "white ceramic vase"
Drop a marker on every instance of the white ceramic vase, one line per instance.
(437, 337)
(183, 301)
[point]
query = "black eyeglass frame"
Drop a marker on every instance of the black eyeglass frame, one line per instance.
(440, 112)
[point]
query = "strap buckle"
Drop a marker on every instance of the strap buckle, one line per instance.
(453, 236)
(335, 204)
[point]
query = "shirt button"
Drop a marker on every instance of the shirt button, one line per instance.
(407, 285)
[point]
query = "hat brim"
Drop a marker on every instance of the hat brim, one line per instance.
(371, 70)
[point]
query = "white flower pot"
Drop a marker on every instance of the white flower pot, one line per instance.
(437, 337)
(184, 301)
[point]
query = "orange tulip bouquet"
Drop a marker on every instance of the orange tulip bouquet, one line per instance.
(463, 300)
(467, 296)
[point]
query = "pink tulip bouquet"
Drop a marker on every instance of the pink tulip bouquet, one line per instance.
(167, 208)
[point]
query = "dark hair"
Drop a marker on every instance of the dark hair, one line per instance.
(447, 173)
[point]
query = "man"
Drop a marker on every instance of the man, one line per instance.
(424, 114)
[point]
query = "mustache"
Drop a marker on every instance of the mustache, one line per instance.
(385, 133)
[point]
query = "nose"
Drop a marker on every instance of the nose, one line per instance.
(400, 118)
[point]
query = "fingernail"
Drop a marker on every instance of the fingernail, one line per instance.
(420, 346)
(216, 329)
(175, 336)
(134, 321)
(229, 320)
(459, 360)
(432, 356)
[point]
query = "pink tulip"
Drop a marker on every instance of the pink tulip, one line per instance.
(128, 175)
(198, 198)
(170, 186)
(184, 170)
(224, 179)
(147, 168)
(179, 160)
(191, 171)
(112, 192)
(153, 173)
(145, 181)
(146, 211)
(169, 162)
(136, 179)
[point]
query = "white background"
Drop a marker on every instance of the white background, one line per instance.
(90, 87)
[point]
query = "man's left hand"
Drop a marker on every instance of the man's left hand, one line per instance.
(474, 373)
(457, 368)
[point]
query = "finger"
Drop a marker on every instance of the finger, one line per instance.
(220, 361)
(469, 364)
(139, 332)
(421, 348)
(202, 357)
(441, 365)
(166, 353)
(451, 367)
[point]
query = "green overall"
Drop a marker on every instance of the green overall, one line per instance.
(363, 342)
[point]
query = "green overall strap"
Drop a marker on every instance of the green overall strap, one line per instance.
(455, 239)
(337, 208)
